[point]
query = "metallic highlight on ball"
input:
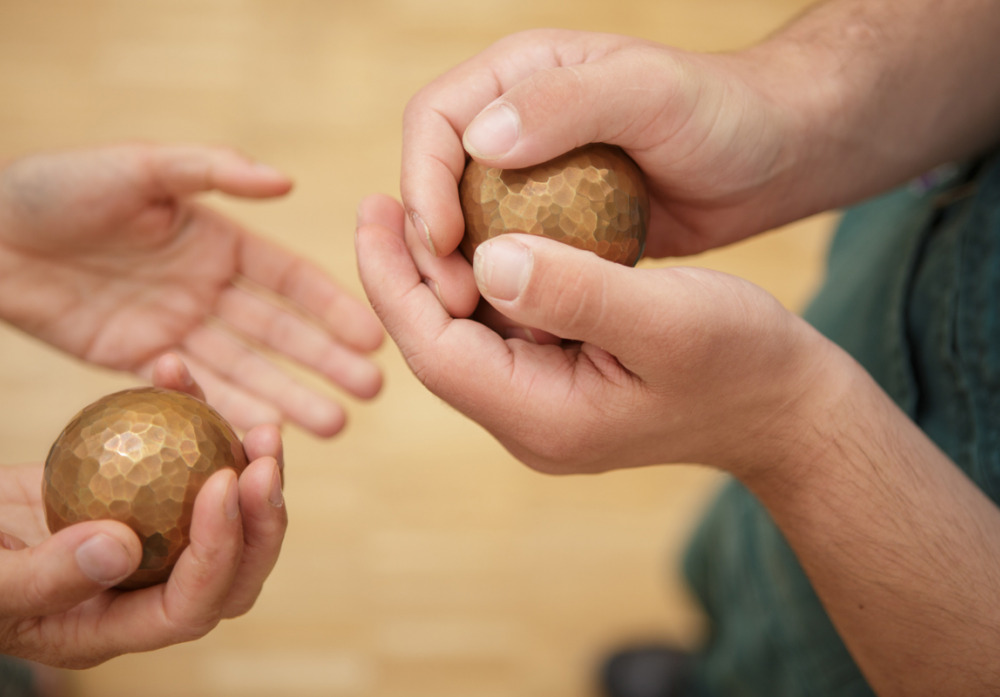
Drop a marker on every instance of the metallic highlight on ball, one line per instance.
(139, 456)
(593, 198)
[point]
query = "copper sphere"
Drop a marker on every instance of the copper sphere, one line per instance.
(139, 456)
(593, 198)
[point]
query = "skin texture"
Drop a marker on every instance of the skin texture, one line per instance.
(105, 254)
(58, 606)
(821, 115)
(865, 95)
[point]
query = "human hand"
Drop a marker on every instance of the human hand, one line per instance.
(104, 254)
(716, 148)
(57, 602)
(665, 365)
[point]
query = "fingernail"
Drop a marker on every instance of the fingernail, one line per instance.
(232, 501)
(502, 268)
(435, 288)
(268, 170)
(493, 132)
(187, 379)
(103, 559)
(423, 231)
(275, 496)
(522, 333)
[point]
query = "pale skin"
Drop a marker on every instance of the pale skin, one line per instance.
(688, 365)
(57, 601)
(106, 255)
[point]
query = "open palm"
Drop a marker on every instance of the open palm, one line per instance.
(105, 255)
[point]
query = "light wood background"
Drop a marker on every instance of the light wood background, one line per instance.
(421, 558)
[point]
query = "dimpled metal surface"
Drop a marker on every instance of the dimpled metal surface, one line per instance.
(593, 198)
(139, 456)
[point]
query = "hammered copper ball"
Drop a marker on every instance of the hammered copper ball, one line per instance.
(593, 198)
(140, 457)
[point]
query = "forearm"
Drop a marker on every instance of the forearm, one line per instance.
(884, 90)
(902, 548)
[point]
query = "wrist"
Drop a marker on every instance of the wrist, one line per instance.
(805, 402)
(875, 94)
(819, 103)
(821, 438)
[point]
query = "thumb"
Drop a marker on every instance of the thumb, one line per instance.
(555, 110)
(571, 293)
(188, 169)
(73, 565)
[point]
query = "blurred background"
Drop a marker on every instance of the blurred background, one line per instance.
(421, 558)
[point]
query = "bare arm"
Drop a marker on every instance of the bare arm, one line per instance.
(852, 98)
(902, 548)
(882, 91)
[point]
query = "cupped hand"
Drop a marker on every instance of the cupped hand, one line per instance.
(665, 365)
(106, 255)
(715, 148)
(57, 602)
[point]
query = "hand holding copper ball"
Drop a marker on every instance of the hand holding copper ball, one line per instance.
(593, 198)
(139, 456)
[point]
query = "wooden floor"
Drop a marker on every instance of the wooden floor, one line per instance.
(421, 559)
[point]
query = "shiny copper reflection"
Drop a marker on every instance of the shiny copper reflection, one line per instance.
(140, 457)
(592, 198)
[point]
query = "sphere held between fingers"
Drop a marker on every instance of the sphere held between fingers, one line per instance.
(139, 456)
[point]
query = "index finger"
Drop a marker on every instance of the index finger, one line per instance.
(433, 124)
(182, 170)
(423, 330)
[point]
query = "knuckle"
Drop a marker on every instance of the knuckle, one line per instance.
(576, 304)
(39, 593)
(537, 38)
(239, 607)
(558, 456)
(80, 662)
(560, 447)
(413, 105)
(26, 639)
(526, 37)
(180, 630)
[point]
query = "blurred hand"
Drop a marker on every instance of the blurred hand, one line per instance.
(104, 254)
(57, 604)
(667, 365)
(716, 148)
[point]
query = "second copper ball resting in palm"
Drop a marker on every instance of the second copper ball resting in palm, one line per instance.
(140, 457)
(593, 198)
